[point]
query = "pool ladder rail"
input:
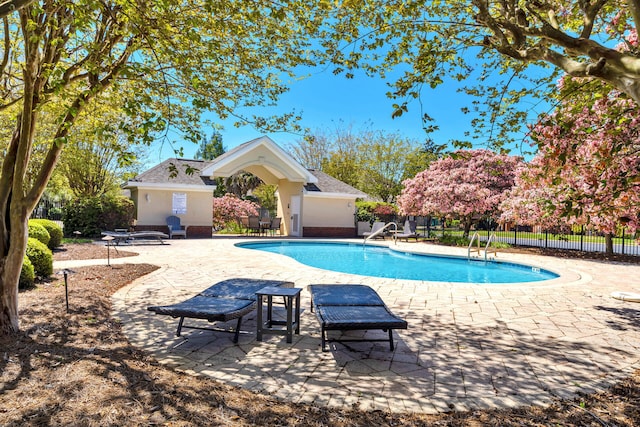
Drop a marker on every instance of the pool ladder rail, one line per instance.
(382, 230)
(487, 249)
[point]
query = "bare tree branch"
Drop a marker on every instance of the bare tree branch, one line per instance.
(79, 103)
(590, 13)
(7, 45)
(8, 7)
(634, 8)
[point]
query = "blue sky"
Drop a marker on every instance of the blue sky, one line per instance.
(327, 101)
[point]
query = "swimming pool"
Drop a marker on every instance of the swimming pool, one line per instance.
(384, 262)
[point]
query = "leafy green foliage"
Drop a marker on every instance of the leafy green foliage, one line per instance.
(241, 183)
(418, 160)
(374, 162)
(76, 240)
(500, 245)
(453, 240)
(91, 216)
(157, 67)
(41, 258)
(508, 54)
(97, 156)
(55, 213)
(212, 149)
(375, 211)
(266, 195)
(27, 274)
(54, 230)
(39, 232)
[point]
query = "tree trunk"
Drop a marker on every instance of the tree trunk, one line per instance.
(608, 241)
(467, 227)
(8, 307)
(10, 268)
(15, 204)
(17, 201)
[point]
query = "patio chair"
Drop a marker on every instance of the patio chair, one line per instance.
(227, 300)
(275, 225)
(376, 231)
(409, 231)
(265, 224)
(254, 225)
(244, 221)
(175, 228)
(352, 307)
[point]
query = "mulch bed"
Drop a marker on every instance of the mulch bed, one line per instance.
(76, 368)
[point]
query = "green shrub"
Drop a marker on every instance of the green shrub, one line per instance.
(38, 232)
(451, 240)
(500, 245)
(41, 258)
(55, 213)
(375, 211)
(55, 232)
(27, 275)
(233, 227)
(91, 216)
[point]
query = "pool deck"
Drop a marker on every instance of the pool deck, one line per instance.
(467, 346)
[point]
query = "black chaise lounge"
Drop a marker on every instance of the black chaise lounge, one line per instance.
(352, 307)
(127, 236)
(224, 301)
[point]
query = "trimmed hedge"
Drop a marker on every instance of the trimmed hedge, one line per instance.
(27, 275)
(91, 216)
(41, 258)
(55, 231)
(38, 232)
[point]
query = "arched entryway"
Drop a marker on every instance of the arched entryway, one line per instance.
(266, 160)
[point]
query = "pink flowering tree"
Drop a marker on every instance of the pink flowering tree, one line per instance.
(587, 170)
(229, 208)
(466, 185)
(528, 203)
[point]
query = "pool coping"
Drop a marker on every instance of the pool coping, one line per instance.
(564, 277)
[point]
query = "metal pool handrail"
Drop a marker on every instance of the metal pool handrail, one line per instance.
(378, 232)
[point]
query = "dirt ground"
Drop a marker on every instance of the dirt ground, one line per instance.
(76, 368)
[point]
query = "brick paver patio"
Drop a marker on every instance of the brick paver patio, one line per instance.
(467, 346)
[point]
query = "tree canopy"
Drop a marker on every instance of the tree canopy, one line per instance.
(373, 161)
(465, 185)
(168, 61)
(587, 170)
(211, 149)
(491, 45)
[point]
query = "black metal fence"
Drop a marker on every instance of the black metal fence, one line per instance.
(48, 209)
(577, 239)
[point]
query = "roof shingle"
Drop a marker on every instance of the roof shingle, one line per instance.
(328, 184)
(162, 173)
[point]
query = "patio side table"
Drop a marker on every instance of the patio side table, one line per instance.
(279, 327)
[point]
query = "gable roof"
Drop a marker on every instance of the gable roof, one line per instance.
(256, 156)
(328, 186)
(161, 175)
(316, 183)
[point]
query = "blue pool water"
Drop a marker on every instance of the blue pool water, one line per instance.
(383, 262)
